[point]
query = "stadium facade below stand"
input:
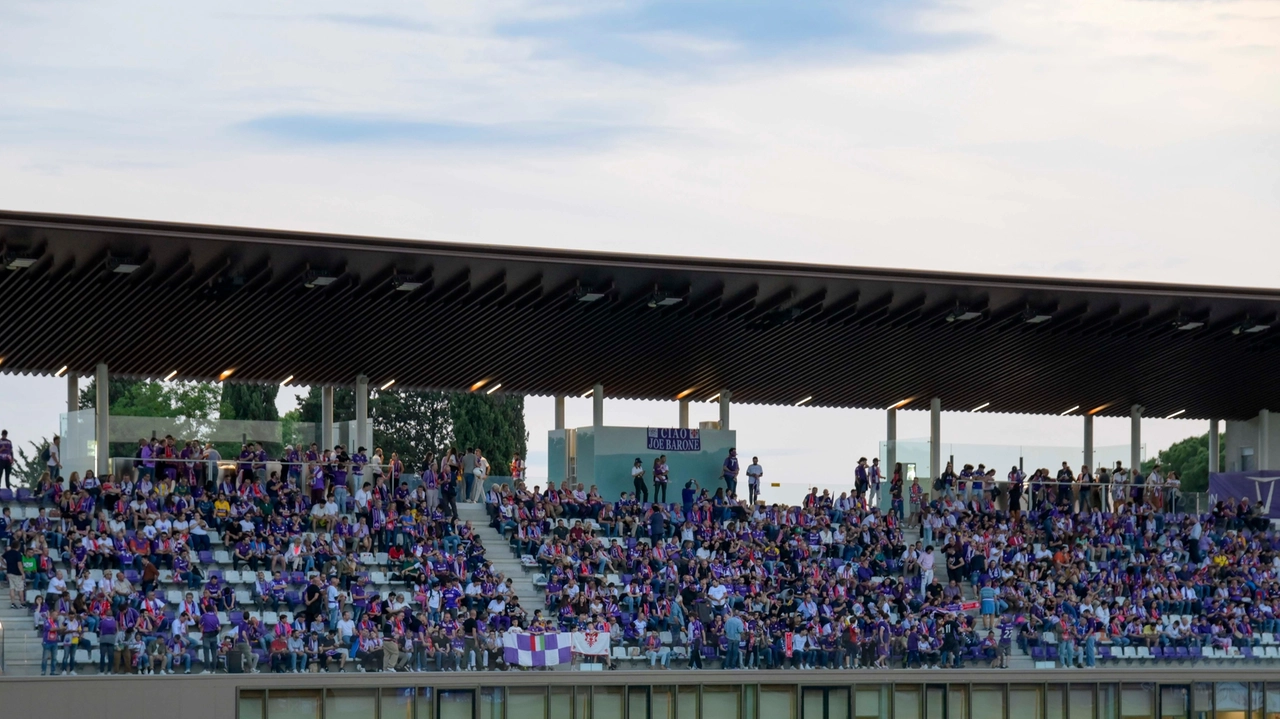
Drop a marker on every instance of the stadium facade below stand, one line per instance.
(1236, 693)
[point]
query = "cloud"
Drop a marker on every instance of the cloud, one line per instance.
(382, 22)
(664, 33)
(338, 129)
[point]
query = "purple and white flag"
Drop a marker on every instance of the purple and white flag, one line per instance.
(1259, 486)
(537, 650)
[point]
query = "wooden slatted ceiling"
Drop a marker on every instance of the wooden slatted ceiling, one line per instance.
(206, 299)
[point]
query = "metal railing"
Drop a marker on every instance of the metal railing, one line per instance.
(121, 466)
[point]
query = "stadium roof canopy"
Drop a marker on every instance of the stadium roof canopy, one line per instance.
(151, 298)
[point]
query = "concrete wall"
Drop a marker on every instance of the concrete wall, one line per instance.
(108, 697)
(1241, 436)
(764, 694)
(606, 455)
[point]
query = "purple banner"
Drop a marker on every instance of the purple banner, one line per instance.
(537, 650)
(1259, 486)
(674, 440)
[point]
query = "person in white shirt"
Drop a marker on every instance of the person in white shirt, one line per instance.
(363, 498)
(333, 597)
(926, 567)
(717, 592)
(754, 473)
(481, 473)
(55, 459)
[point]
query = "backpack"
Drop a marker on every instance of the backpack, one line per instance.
(45, 454)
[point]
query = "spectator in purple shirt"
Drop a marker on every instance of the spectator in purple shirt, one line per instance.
(209, 626)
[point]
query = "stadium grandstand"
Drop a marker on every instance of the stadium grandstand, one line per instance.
(959, 590)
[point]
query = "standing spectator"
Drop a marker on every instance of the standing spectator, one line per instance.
(731, 472)
(660, 478)
(754, 473)
(875, 475)
(516, 469)
(687, 496)
(468, 473)
(860, 481)
(209, 626)
(6, 457)
(481, 471)
(54, 458)
(733, 629)
(17, 580)
(637, 479)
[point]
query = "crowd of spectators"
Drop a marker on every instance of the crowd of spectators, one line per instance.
(1079, 562)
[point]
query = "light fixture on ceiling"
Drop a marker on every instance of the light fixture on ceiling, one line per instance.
(60, 372)
(804, 401)
(16, 261)
(982, 406)
(686, 393)
(387, 385)
(1250, 327)
(1063, 414)
(493, 389)
(1187, 323)
(171, 375)
(477, 385)
(662, 299)
(1175, 414)
(588, 393)
(714, 397)
(587, 294)
(963, 314)
(1098, 409)
(313, 278)
(122, 265)
(900, 403)
(287, 380)
(1035, 317)
(226, 373)
(406, 283)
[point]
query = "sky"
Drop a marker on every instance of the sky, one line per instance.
(1121, 139)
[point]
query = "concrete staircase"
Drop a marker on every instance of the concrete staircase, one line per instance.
(499, 553)
(21, 644)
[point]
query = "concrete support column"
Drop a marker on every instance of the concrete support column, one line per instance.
(1088, 443)
(684, 414)
(559, 412)
(103, 429)
(725, 397)
(935, 439)
(1135, 439)
(326, 418)
(364, 438)
(890, 458)
(1264, 439)
(597, 405)
(1215, 446)
(73, 394)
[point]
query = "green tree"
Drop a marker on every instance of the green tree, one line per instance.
(249, 401)
(410, 423)
(415, 423)
(30, 467)
(1190, 459)
(494, 423)
(192, 406)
